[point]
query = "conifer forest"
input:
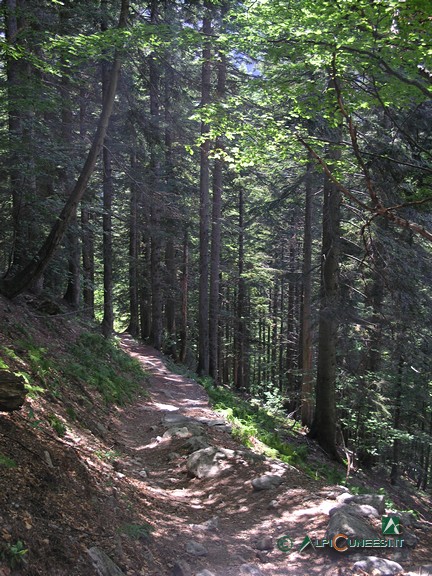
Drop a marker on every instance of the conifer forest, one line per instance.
(246, 187)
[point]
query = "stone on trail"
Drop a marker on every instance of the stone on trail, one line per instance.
(177, 432)
(48, 460)
(265, 543)
(250, 570)
(210, 525)
(218, 423)
(196, 443)
(342, 498)
(350, 523)
(378, 566)
(375, 500)
(103, 564)
(361, 509)
(205, 572)
(181, 568)
(195, 548)
(175, 419)
(266, 482)
(207, 462)
(212, 421)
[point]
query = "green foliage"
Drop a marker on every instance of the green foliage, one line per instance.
(359, 490)
(107, 455)
(254, 425)
(71, 413)
(32, 419)
(33, 390)
(14, 554)
(100, 363)
(57, 425)
(137, 531)
(333, 474)
(7, 462)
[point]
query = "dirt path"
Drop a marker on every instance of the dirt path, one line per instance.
(225, 515)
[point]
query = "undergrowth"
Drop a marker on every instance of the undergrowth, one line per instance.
(100, 363)
(92, 361)
(251, 423)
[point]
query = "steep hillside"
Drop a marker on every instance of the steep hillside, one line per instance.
(57, 495)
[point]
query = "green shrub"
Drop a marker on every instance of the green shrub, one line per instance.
(7, 462)
(14, 554)
(137, 531)
(251, 421)
(57, 425)
(101, 363)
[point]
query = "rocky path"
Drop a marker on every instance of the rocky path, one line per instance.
(207, 517)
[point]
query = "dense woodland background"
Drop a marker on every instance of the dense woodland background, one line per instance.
(246, 187)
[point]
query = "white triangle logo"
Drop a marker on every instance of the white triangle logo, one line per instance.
(391, 527)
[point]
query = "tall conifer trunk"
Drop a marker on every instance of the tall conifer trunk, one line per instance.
(171, 291)
(87, 234)
(306, 308)
(203, 305)
(324, 424)
(133, 327)
(87, 261)
(16, 73)
(72, 240)
(155, 196)
(216, 239)
(108, 193)
(240, 332)
(184, 299)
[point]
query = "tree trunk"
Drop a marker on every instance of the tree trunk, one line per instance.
(17, 71)
(155, 208)
(324, 424)
(170, 312)
(133, 327)
(73, 291)
(11, 287)
(171, 293)
(395, 468)
(216, 239)
(87, 235)
(203, 304)
(88, 261)
(240, 372)
(108, 193)
(274, 329)
(145, 290)
(107, 251)
(72, 238)
(306, 309)
(184, 283)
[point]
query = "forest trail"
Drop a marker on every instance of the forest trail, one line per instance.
(236, 526)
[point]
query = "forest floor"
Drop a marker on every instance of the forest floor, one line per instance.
(116, 480)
